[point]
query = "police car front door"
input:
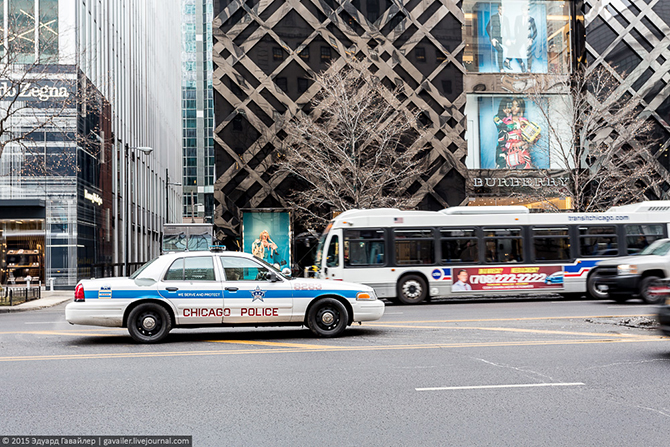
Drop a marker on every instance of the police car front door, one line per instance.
(249, 294)
(191, 285)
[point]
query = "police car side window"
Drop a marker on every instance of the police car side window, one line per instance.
(191, 269)
(176, 271)
(243, 269)
(199, 269)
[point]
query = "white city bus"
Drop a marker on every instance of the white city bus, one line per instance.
(413, 256)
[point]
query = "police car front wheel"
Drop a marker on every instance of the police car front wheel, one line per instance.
(327, 318)
(149, 323)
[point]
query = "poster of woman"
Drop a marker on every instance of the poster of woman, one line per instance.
(511, 134)
(266, 235)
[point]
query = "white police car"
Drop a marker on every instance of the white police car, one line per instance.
(218, 289)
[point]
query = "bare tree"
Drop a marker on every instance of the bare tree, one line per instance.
(35, 99)
(599, 138)
(357, 148)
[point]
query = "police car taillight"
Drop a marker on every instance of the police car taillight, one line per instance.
(79, 293)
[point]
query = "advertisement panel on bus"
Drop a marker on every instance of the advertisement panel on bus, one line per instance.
(507, 278)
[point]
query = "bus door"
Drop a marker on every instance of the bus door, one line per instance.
(333, 256)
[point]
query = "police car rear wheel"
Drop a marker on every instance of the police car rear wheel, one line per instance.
(149, 323)
(328, 318)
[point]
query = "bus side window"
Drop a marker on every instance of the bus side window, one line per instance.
(333, 257)
(364, 247)
(503, 245)
(598, 241)
(551, 244)
(639, 237)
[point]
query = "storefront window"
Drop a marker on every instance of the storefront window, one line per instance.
(21, 251)
(517, 36)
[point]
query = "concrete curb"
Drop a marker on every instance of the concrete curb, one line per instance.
(49, 299)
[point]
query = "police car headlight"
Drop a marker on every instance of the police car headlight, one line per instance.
(366, 296)
(626, 269)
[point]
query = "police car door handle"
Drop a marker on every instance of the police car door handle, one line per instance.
(172, 289)
(232, 289)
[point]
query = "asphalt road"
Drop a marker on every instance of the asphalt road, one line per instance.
(493, 373)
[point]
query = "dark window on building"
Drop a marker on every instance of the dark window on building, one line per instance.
(281, 83)
(439, 56)
(237, 123)
(414, 246)
(551, 244)
(459, 246)
(364, 247)
(446, 87)
(304, 54)
(503, 245)
(420, 55)
(277, 54)
(303, 85)
(639, 237)
(598, 241)
(372, 10)
(325, 54)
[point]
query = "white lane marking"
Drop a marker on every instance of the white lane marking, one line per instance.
(480, 387)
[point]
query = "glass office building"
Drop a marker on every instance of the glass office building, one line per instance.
(197, 111)
(83, 170)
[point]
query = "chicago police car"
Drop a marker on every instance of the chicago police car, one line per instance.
(218, 289)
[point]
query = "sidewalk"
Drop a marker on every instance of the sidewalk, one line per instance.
(49, 299)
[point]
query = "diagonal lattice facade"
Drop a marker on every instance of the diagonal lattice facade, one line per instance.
(632, 40)
(265, 53)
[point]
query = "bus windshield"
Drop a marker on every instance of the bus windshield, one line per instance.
(659, 248)
(319, 248)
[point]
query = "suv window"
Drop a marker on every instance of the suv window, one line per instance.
(659, 248)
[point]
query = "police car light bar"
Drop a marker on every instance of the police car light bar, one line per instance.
(217, 248)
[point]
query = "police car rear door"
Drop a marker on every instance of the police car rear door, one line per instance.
(252, 294)
(192, 284)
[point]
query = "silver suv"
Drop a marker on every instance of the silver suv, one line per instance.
(627, 277)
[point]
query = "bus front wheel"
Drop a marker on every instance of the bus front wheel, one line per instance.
(412, 289)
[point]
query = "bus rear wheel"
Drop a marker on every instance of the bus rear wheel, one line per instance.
(412, 289)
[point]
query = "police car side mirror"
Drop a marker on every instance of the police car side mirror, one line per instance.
(286, 271)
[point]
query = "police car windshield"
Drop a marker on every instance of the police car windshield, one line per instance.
(141, 269)
(271, 267)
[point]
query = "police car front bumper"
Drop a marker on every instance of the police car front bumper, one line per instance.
(368, 310)
(95, 314)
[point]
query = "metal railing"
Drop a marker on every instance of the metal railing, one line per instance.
(11, 296)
